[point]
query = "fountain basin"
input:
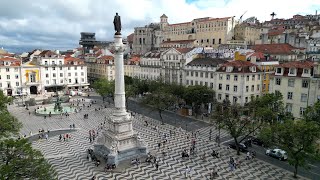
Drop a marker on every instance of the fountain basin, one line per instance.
(47, 109)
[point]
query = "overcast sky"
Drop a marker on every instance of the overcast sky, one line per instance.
(56, 24)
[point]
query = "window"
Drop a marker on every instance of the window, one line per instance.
(7, 69)
(196, 74)
(246, 99)
(227, 87)
(290, 95)
(54, 75)
(82, 79)
(54, 81)
(305, 83)
(191, 73)
(213, 41)
(278, 81)
(75, 68)
(228, 77)
(61, 81)
(258, 87)
(235, 99)
(219, 40)
(61, 68)
(0, 84)
(47, 75)
(302, 110)
(69, 74)
(76, 74)
(252, 88)
(82, 73)
(248, 78)
(47, 81)
(61, 74)
(53, 63)
(288, 107)
(247, 88)
(227, 96)
(54, 68)
(277, 93)
(264, 76)
(206, 75)
(69, 80)
(187, 82)
(305, 71)
(291, 82)
(279, 70)
(304, 97)
(17, 83)
(253, 77)
(235, 88)
(69, 68)
(17, 76)
(8, 76)
(211, 75)
(201, 74)
(46, 68)
(60, 62)
(258, 76)
(81, 67)
(292, 71)
(16, 69)
(235, 78)
(221, 77)
(219, 96)
(45, 62)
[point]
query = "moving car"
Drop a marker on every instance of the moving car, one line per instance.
(242, 147)
(277, 153)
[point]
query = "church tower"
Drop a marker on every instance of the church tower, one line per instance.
(163, 22)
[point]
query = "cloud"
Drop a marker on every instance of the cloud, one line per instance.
(56, 24)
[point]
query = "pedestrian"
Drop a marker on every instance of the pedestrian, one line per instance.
(64, 138)
(248, 156)
(157, 166)
(74, 126)
(93, 178)
(29, 113)
(70, 126)
(47, 136)
(60, 137)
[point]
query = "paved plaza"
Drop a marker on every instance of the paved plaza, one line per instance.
(69, 158)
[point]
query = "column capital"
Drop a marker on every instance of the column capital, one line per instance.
(118, 48)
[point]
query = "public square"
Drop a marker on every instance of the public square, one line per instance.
(69, 158)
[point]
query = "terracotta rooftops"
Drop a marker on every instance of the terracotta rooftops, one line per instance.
(274, 48)
(275, 32)
(106, 57)
(238, 66)
(298, 64)
(207, 61)
(14, 61)
(71, 59)
(184, 50)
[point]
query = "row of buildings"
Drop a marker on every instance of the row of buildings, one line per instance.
(237, 75)
(39, 72)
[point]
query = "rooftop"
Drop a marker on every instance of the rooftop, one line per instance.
(297, 64)
(275, 48)
(207, 61)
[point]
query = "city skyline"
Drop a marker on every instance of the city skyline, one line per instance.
(26, 25)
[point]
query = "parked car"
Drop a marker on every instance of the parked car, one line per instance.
(277, 153)
(242, 147)
(256, 141)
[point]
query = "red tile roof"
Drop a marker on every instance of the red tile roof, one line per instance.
(238, 66)
(106, 57)
(274, 48)
(275, 32)
(177, 24)
(135, 58)
(258, 55)
(14, 61)
(297, 64)
(7, 54)
(184, 50)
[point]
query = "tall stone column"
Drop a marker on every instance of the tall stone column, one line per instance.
(119, 95)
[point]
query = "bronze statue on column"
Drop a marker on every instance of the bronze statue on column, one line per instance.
(117, 24)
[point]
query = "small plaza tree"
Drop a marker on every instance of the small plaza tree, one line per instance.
(160, 100)
(297, 138)
(18, 159)
(104, 87)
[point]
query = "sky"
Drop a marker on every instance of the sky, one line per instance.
(56, 24)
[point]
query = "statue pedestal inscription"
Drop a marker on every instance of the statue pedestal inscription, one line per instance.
(117, 141)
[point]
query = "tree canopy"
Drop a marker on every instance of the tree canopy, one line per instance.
(104, 87)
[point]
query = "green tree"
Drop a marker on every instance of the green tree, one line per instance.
(131, 91)
(297, 138)
(231, 118)
(21, 161)
(9, 125)
(198, 95)
(313, 113)
(104, 87)
(160, 100)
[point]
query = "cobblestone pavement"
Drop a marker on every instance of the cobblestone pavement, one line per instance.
(70, 160)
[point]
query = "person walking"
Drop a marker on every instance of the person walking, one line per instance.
(157, 166)
(60, 137)
(47, 136)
